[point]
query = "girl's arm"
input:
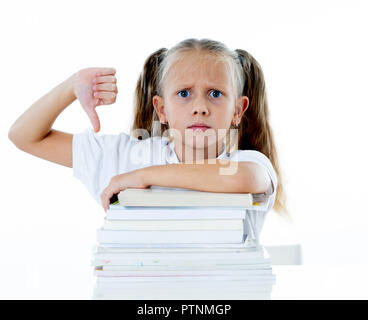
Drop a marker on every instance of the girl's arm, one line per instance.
(32, 131)
(212, 176)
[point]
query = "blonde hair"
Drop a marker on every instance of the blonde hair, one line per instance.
(254, 131)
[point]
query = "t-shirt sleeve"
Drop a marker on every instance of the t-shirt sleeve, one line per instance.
(97, 158)
(261, 159)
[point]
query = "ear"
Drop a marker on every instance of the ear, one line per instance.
(159, 105)
(241, 106)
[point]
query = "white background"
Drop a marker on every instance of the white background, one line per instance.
(314, 57)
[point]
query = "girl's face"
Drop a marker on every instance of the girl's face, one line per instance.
(198, 89)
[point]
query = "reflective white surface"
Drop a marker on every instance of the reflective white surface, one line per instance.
(321, 282)
(75, 280)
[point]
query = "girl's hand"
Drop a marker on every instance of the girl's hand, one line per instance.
(132, 179)
(94, 87)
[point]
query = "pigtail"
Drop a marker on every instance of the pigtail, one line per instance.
(144, 112)
(255, 132)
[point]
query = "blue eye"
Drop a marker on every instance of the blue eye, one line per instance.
(182, 91)
(216, 94)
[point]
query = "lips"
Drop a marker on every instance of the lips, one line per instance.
(199, 126)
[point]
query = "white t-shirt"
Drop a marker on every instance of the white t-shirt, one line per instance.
(97, 158)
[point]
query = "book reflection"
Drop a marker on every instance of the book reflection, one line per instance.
(177, 288)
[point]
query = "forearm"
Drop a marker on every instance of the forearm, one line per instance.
(35, 123)
(213, 176)
(208, 177)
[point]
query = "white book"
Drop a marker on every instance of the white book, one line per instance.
(171, 259)
(164, 237)
(178, 262)
(210, 224)
(214, 267)
(246, 244)
(190, 256)
(105, 249)
(227, 267)
(132, 273)
(249, 279)
(191, 285)
(213, 290)
(174, 197)
(117, 212)
(118, 294)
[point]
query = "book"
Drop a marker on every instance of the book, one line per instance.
(177, 263)
(212, 290)
(170, 197)
(162, 237)
(184, 258)
(141, 250)
(188, 254)
(119, 212)
(177, 273)
(190, 224)
(210, 267)
(245, 244)
(159, 261)
(264, 279)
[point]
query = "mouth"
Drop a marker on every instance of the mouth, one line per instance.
(201, 127)
(198, 128)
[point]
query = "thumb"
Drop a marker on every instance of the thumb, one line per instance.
(92, 115)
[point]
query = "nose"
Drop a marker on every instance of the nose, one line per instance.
(200, 108)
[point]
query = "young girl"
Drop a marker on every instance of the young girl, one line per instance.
(209, 102)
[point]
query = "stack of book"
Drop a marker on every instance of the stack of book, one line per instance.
(165, 243)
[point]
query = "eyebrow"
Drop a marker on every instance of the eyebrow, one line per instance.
(188, 86)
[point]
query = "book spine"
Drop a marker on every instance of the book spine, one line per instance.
(173, 215)
(139, 197)
(183, 256)
(164, 237)
(155, 225)
(263, 268)
(108, 250)
(111, 273)
(250, 279)
(206, 245)
(177, 262)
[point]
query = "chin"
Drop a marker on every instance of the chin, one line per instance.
(200, 142)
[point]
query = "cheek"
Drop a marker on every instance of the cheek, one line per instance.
(176, 121)
(177, 117)
(224, 117)
(177, 126)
